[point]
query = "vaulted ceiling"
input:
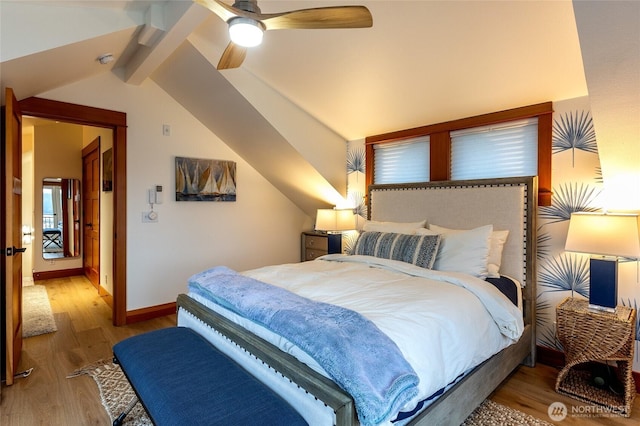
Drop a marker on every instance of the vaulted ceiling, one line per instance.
(422, 62)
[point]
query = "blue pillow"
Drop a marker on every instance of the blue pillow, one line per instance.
(419, 250)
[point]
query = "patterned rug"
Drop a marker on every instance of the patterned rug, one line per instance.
(37, 317)
(491, 413)
(116, 393)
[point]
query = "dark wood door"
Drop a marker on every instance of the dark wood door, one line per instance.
(77, 218)
(11, 236)
(91, 213)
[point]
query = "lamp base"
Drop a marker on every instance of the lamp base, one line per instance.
(334, 242)
(603, 284)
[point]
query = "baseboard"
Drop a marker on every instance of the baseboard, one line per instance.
(106, 296)
(548, 356)
(151, 312)
(555, 358)
(60, 273)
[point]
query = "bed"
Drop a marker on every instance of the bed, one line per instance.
(507, 204)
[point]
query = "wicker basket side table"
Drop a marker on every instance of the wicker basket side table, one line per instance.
(587, 336)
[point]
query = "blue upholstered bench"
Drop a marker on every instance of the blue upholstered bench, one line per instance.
(182, 379)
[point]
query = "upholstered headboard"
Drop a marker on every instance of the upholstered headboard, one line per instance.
(506, 203)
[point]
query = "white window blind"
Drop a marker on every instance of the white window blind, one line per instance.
(402, 162)
(502, 150)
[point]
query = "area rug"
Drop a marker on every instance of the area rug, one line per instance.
(37, 317)
(116, 394)
(491, 413)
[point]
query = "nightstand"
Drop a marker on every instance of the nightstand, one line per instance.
(316, 244)
(588, 336)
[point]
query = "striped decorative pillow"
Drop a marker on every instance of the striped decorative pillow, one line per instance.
(419, 250)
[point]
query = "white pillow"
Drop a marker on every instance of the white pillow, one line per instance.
(463, 251)
(395, 227)
(496, 244)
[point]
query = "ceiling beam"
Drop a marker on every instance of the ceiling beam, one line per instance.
(180, 20)
(240, 126)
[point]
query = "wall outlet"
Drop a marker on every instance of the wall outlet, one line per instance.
(149, 217)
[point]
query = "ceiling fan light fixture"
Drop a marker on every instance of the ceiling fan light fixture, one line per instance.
(246, 32)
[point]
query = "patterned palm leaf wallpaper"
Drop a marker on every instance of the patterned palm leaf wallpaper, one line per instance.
(577, 185)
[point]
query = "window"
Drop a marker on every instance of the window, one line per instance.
(402, 162)
(505, 150)
(518, 141)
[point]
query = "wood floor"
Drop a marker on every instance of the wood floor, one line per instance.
(85, 335)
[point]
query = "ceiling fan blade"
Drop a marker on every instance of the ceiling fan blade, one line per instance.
(232, 57)
(223, 10)
(318, 18)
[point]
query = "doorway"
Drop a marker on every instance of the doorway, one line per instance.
(117, 122)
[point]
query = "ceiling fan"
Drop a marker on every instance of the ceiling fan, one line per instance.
(247, 23)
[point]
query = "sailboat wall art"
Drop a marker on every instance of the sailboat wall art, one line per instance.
(205, 180)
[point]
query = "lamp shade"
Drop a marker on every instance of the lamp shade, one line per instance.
(610, 234)
(335, 220)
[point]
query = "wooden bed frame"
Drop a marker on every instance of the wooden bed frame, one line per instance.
(460, 400)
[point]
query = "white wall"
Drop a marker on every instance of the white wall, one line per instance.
(262, 227)
(27, 204)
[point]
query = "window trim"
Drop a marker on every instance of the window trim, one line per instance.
(440, 143)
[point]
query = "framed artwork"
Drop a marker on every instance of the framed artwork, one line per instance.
(200, 179)
(107, 170)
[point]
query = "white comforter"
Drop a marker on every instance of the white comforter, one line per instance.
(444, 323)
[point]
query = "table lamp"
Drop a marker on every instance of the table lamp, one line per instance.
(333, 222)
(607, 237)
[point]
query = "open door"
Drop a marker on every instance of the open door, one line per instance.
(11, 236)
(91, 203)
